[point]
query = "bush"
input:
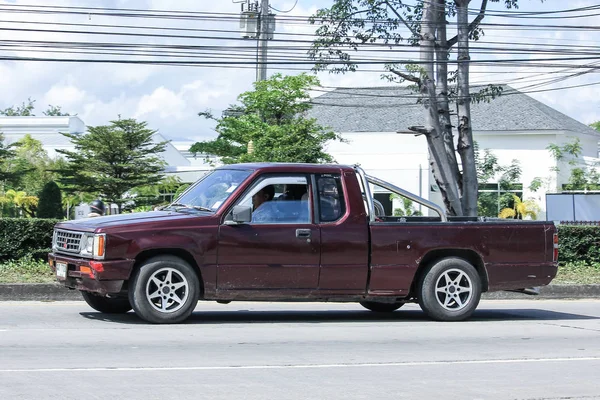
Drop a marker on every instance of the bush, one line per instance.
(21, 237)
(578, 244)
(50, 203)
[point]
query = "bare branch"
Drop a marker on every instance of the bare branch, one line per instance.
(474, 24)
(413, 31)
(407, 77)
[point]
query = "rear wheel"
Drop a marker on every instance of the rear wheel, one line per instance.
(381, 307)
(450, 290)
(164, 290)
(108, 305)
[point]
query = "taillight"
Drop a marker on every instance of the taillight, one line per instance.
(555, 247)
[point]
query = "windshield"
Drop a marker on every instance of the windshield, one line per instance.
(212, 190)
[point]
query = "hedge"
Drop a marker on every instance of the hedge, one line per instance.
(20, 237)
(578, 244)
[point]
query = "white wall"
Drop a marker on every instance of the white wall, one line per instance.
(397, 157)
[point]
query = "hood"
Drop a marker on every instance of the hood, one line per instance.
(91, 224)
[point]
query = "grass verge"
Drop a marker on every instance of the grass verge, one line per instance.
(578, 274)
(26, 270)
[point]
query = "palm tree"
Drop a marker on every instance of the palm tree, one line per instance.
(521, 209)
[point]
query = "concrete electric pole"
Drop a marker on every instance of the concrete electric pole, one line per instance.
(263, 34)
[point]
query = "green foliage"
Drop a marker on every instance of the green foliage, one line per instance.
(595, 125)
(31, 165)
(55, 111)
(407, 209)
(489, 203)
(24, 110)
(6, 155)
(50, 202)
(270, 125)
(578, 273)
(578, 244)
(112, 160)
(20, 237)
(581, 177)
(145, 198)
(26, 270)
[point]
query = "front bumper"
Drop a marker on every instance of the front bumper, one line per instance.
(103, 277)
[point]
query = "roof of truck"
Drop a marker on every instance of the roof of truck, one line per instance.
(290, 167)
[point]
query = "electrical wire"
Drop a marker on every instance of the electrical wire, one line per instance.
(285, 12)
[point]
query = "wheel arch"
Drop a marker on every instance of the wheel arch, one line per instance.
(470, 256)
(186, 256)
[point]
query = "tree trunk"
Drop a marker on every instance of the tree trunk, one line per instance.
(440, 165)
(465, 133)
(442, 55)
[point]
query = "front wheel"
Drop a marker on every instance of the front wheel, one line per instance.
(107, 305)
(164, 290)
(450, 290)
(381, 307)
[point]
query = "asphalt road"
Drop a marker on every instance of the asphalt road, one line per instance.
(509, 350)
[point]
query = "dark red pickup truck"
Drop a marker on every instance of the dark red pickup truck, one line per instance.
(278, 232)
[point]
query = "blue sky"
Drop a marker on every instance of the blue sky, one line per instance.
(169, 98)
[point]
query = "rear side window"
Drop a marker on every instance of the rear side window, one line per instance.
(330, 197)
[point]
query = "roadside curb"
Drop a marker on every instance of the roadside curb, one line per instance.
(56, 292)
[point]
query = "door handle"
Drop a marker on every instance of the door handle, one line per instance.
(303, 233)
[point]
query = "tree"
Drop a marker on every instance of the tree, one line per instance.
(595, 125)
(112, 160)
(31, 165)
(350, 25)
(6, 155)
(50, 202)
(24, 110)
(270, 125)
(55, 111)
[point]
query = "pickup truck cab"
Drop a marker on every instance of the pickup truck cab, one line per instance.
(283, 232)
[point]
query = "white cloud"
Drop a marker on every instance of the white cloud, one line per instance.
(162, 101)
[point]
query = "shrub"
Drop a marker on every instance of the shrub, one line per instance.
(20, 237)
(578, 244)
(50, 203)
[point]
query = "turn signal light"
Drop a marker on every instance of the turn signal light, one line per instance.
(100, 245)
(85, 270)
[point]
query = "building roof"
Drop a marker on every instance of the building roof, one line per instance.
(395, 108)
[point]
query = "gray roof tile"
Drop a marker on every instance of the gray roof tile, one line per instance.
(394, 108)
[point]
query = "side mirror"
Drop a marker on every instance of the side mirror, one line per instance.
(240, 215)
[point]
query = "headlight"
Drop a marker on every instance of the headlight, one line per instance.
(93, 245)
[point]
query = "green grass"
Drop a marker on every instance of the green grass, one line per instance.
(28, 270)
(578, 274)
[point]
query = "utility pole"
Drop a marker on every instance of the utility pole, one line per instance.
(263, 33)
(256, 22)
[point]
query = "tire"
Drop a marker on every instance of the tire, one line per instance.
(449, 290)
(164, 290)
(107, 305)
(381, 307)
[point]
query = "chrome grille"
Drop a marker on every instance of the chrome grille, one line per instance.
(66, 241)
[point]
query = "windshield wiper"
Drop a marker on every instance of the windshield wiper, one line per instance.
(188, 206)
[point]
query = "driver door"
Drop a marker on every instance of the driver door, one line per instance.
(280, 252)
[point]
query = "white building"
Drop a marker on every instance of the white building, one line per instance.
(512, 126)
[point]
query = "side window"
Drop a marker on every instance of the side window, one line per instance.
(331, 197)
(279, 200)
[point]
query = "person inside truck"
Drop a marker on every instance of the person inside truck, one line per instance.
(261, 210)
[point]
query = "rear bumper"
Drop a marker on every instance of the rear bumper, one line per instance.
(103, 277)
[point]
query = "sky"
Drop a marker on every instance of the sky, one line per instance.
(170, 97)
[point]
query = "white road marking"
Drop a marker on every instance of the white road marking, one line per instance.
(305, 366)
